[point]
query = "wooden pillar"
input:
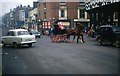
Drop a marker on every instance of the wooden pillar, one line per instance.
(94, 20)
(99, 19)
(105, 18)
(111, 18)
(91, 19)
(119, 18)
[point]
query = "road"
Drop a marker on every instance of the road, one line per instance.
(45, 57)
(3, 32)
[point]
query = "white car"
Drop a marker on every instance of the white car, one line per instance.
(18, 37)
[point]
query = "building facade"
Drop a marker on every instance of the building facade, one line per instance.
(69, 13)
(21, 16)
(32, 18)
(103, 12)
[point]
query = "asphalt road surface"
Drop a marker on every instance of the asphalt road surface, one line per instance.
(45, 57)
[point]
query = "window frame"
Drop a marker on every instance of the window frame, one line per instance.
(62, 13)
(81, 14)
(11, 33)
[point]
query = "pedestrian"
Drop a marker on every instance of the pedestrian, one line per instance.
(42, 32)
(62, 28)
(91, 32)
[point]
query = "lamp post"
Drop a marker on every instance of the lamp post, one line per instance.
(30, 22)
(39, 25)
(50, 22)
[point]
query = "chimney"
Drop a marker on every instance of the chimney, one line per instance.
(35, 4)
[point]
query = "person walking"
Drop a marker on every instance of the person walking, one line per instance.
(62, 28)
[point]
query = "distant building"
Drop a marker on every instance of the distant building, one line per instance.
(6, 20)
(17, 16)
(32, 18)
(35, 4)
(21, 14)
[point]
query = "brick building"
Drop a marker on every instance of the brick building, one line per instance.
(69, 13)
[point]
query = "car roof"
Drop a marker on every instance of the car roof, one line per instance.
(18, 30)
(113, 26)
(106, 26)
(33, 29)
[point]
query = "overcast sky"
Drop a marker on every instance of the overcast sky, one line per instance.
(6, 5)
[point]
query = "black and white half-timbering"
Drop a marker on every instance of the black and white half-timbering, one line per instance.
(90, 4)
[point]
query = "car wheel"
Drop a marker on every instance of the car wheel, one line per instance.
(39, 36)
(100, 42)
(3, 44)
(15, 44)
(117, 43)
(30, 45)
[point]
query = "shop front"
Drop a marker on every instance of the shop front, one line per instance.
(84, 22)
(65, 23)
(102, 13)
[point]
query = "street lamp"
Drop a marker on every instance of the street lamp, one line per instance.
(50, 22)
(30, 22)
(39, 24)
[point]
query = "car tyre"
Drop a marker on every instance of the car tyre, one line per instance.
(117, 43)
(30, 45)
(3, 44)
(15, 44)
(99, 40)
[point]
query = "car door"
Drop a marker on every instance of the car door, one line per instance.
(9, 38)
(108, 34)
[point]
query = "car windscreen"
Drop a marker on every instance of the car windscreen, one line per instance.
(35, 32)
(23, 33)
(116, 29)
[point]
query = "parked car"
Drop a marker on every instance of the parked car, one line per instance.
(35, 32)
(108, 33)
(18, 37)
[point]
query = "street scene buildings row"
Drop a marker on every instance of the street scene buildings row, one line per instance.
(43, 14)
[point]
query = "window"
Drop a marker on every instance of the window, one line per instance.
(116, 15)
(10, 33)
(62, 1)
(82, 13)
(62, 13)
(23, 33)
(116, 28)
(88, 16)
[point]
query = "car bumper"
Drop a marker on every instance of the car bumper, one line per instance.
(28, 42)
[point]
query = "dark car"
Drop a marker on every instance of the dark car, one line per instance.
(35, 32)
(108, 33)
